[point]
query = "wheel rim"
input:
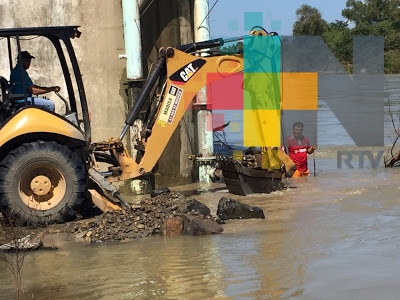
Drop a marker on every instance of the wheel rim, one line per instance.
(41, 185)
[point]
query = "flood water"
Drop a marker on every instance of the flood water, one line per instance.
(332, 236)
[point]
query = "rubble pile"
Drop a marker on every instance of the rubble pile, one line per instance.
(165, 213)
(145, 219)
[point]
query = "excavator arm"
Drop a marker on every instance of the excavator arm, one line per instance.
(173, 82)
(186, 75)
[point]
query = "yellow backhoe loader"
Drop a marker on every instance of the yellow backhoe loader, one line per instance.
(48, 162)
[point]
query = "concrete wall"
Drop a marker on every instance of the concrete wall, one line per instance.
(160, 29)
(103, 72)
(97, 51)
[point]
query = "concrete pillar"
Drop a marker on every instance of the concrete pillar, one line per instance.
(204, 117)
(186, 126)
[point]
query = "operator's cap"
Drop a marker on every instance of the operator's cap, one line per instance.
(26, 54)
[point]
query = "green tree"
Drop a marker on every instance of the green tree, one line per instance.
(339, 39)
(309, 22)
(380, 18)
(370, 18)
(392, 61)
(371, 11)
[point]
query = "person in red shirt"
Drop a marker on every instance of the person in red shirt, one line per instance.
(299, 146)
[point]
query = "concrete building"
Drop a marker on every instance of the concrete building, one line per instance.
(163, 23)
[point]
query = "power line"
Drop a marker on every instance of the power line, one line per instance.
(147, 8)
(208, 14)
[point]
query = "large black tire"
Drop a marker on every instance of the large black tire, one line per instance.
(42, 182)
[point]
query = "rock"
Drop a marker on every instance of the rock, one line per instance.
(196, 206)
(160, 191)
(232, 209)
(24, 244)
(81, 234)
(219, 221)
(189, 224)
(172, 226)
(195, 226)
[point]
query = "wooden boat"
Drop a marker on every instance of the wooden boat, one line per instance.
(244, 175)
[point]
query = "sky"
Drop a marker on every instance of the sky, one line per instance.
(227, 18)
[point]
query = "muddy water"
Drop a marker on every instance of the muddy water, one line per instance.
(333, 236)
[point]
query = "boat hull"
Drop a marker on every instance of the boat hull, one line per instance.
(242, 180)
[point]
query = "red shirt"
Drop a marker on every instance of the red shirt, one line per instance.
(298, 151)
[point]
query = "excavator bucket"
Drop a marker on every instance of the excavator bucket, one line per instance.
(102, 202)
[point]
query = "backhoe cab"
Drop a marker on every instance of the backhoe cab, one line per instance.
(43, 155)
(48, 163)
